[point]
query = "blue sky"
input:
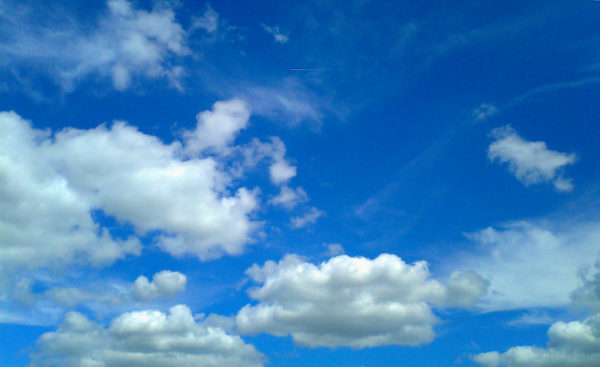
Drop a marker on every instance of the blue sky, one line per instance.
(273, 183)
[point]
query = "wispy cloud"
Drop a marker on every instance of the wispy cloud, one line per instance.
(279, 36)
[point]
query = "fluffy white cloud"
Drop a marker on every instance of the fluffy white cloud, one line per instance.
(521, 257)
(143, 338)
(164, 284)
(573, 344)
(44, 220)
(530, 161)
(308, 218)
(277, 34)
(216, 129)
(50, 185)
(124, 43)
(289, 198)
(352, 301)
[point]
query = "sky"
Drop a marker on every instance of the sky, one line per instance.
(320, 183)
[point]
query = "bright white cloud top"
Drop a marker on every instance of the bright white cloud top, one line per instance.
(352, 301)
(144, 338)
(530, 161)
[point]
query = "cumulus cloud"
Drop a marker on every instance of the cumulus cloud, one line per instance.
(216, 129)
(530, 161)
(352, 301)
(519, 258)
(164, 284)
(125, 43)
(289, 198)
(276, 33)
(573, 344)
(143, 338)
(44, 219)
(51, 186)
(308, 218)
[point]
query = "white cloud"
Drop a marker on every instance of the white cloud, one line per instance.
(50, 185)
(484, 111)
(280, 170)
(277, 34)
(289, 198)
(164, 284)
(124, 44)
(520, 258)
(351, 301)
(44, 220)
(149, 338)
(209, 21)
(530, 162)
(216, 129)
(308, 218)
(573, 344)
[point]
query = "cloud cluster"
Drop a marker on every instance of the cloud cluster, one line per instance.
(123, 44)
(352, 301)
(143, 338)
(52, 186)
(573, 344)
(530, 161)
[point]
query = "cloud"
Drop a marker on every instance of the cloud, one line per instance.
(216, 129)
(149, 338)
(52, 185)
(44, 220)
(519, 259)
(484, 111)
(351, 301)
(530, 162)
(209, 21)
(164, 284)
(334, 249)
(277, 34)
(289, 198)
(310, 217)
(124, 44)
(588, 294)
(573, 344)
(280, 170)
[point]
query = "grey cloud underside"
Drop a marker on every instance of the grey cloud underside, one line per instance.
(352, 301)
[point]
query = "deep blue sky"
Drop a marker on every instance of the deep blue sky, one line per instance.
(463, 134)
